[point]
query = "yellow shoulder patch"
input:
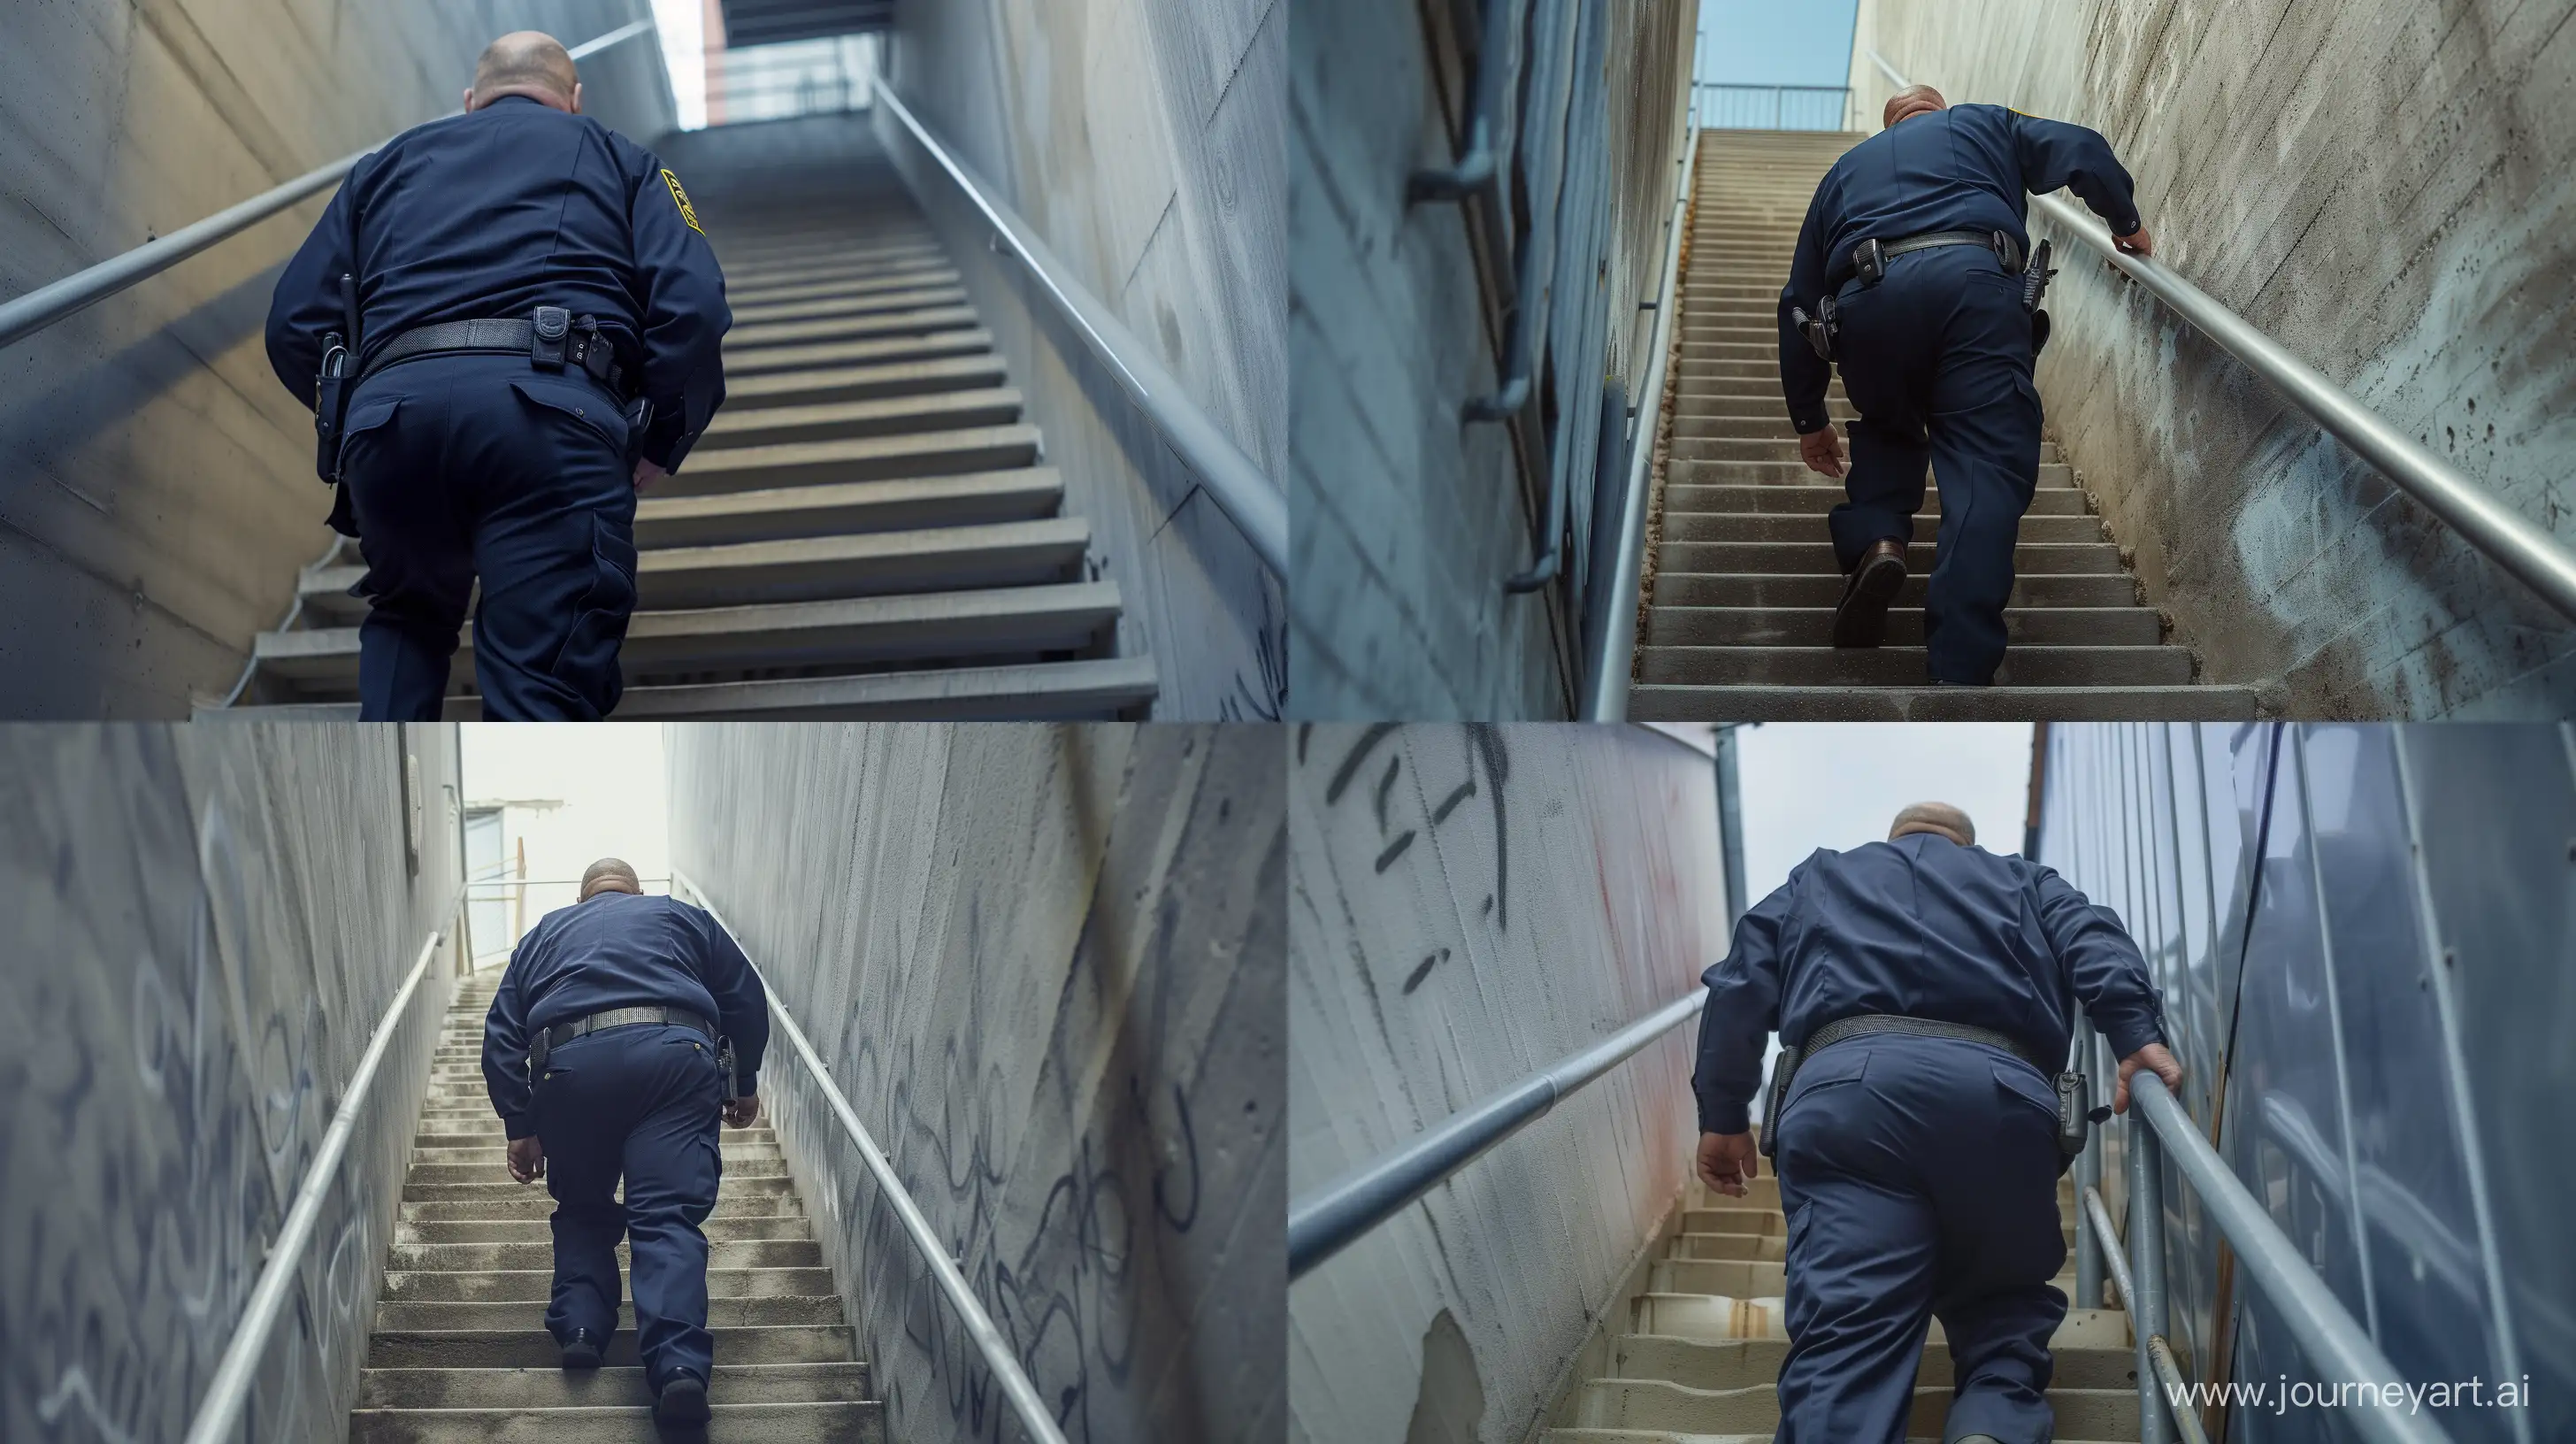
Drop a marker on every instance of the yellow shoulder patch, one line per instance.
(688, 213)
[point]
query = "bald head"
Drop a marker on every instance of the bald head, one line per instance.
(530, 63)
(1911, 101)
(609, 874)
(1937, 818)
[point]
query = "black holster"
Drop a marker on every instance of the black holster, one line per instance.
(1823, 329)
(725, 1065)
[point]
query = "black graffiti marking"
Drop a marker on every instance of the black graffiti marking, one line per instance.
(1449, 804)
(1351, 761)
(1424, 971)
(1386, 785)
(1304, 731)
(1394, 850)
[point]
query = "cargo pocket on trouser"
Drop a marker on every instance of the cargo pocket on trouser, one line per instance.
(588, 661)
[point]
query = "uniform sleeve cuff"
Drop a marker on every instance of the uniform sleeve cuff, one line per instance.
(2131, 228)
(1721, 1116)
(518, 1126)
(1810, 421)
(2128, 1035)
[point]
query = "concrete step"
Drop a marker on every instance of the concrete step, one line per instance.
(1763, 526)
(1822, 588)
(839, 632)
(816, 385)
(1781, 448)
(731, 1148)
(800, 1423)
(1814, 626)
(879, 416)
(804, 569)
(925, 290)
(483, 1190)
(425, 1176)
(534, 1205)
(898, 504)
(1898, 666)
(1662, 703)
(537, 1285)
(738, 1312)
(1658, 1404)
(2056, 495)
(770, 278)
(864, 458)
(1794, 558)
(1095, 688)
(830, 298)
(1748, 1363)
(1754, 1247)
(911, 321)
(554, 1388)
(967, 340)
(526, 1345)
(734, 1253)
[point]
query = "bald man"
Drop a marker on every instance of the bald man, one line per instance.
(601, 1052)
(1923, 989)
(538, 324)
(1915, 243)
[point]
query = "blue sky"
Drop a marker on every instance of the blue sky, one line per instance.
(1776, 42)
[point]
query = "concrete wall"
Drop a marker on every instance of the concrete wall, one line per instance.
(2383, 187)
(1467, 905)
(207, 925)
(1407, 520)
(159, 493)
(1145, 142)
(1044, 965)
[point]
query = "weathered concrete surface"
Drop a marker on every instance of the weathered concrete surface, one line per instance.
(1144, 141)
(1467, 905)
(1406, 519)
(159, 493)
(1045, 966)
(206, 927)
(2381, 186)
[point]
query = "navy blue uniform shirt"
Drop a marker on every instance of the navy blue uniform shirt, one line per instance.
(1925, 928)
(618, 950)
(494, 213)
(1967, 168)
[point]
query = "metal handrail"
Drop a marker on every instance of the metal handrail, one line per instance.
(2505, 536)
(83, 289)
(1611, 638)
(2327, 1335)
(1326, 1221)
(1023, 1395)
(219, 1412)
(1258, 508)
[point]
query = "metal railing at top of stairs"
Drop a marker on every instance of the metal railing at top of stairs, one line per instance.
(218, 1417)
(1326, 1221)
(1256, 505)
(79, 291)
(946, 1271)
(2331, 1340)
(2505, 536)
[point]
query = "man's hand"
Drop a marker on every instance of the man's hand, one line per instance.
(1727, 1162)
(646, 473)
(1822, 451)
(2136, 243)
(527, 1159)
(2155, 1059)
(741, 1112)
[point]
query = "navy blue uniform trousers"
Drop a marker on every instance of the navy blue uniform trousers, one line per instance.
(1920, 1180)
(1936, 359)
(467, 466)
(643, 1102)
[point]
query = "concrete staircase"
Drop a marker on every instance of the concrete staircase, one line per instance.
(460, 1350)
(1744, 581)
(867, 529)
(1700, 1362)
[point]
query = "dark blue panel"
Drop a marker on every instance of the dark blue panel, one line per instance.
(2422, 1236)
(2498, 815)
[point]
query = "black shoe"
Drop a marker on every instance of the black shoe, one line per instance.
(584, 1350)
(1860, 619)
(683, 1401)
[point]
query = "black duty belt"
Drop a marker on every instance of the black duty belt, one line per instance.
(550, 1038)
(552, 341)
(2072, 1093)
(1869, 259)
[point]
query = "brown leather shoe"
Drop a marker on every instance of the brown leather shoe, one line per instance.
(1860, 619)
